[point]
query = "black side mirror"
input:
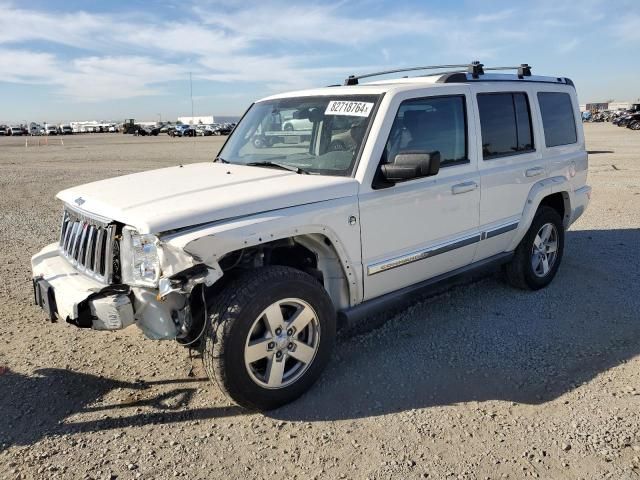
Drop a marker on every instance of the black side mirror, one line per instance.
(410, 165)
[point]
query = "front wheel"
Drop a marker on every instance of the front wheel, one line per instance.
(537, 257)
(270, 335)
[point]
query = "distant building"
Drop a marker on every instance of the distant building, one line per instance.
(619, 106)
(600, 107)
(196, 120)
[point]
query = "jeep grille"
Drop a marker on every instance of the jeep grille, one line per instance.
(88, 243)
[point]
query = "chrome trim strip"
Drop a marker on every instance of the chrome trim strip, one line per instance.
(418, 255)
(500, 230)
(83, 216)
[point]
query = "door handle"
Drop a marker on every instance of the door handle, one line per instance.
(463, 187)
(534, 172)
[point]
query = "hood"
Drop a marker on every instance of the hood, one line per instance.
(175, 197)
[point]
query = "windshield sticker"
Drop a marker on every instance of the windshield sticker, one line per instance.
(356, 109)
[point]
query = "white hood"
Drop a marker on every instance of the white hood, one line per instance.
(175, 197)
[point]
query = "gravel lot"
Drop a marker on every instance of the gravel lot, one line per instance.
(481, 382)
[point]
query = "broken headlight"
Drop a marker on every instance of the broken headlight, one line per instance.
(140, 262)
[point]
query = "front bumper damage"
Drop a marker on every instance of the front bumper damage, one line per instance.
(67, 294)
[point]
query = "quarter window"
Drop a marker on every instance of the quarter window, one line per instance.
(557, 118)
(433, 124)
(505, 122)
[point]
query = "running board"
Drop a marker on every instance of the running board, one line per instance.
(351, 317)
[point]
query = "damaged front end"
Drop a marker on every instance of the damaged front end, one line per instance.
(105, 276)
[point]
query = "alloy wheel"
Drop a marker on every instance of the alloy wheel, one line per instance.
(282, 343)
(545, 250)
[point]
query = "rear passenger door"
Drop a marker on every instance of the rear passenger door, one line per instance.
(510, 162)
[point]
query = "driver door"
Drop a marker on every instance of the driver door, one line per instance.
(421, 228)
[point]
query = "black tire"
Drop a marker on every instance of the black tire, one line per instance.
(232, 313)
(519, 272)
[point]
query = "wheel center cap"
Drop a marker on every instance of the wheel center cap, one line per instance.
(281, 341)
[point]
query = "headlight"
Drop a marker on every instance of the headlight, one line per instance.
(139, 259)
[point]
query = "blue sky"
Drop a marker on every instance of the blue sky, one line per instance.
(83, 60)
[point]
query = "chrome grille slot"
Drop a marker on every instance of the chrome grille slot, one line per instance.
(87, 243)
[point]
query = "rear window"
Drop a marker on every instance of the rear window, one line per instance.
(557, 118)
(505, 121)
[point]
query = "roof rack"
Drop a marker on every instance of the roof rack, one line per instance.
(475, 69)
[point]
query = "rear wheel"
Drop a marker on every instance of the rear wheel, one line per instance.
(537, 257)
(270, 335)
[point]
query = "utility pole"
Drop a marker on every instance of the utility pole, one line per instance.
(191, 93)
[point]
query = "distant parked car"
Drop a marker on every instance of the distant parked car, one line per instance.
(297, 124)
(15, 130)
(633, 121)
(66, 130)
(3, 130)
(183, 131)
(222, 129)
(51, 130)
(204, 130)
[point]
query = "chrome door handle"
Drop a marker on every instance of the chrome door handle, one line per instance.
(463, 187)
(534, 172)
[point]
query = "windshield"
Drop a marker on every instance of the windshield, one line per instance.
(318, 135)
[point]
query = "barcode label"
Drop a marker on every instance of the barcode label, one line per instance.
(356, 109)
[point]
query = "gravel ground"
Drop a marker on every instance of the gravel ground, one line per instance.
(481, 382)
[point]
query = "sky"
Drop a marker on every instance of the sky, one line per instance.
(109, 60)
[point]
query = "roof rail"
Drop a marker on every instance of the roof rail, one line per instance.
(475, 69)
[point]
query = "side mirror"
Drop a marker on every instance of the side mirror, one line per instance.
(410, 165)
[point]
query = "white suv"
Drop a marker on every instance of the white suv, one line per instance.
(257, 257)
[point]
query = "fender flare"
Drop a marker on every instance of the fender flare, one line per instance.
(209, 244)
(538, 192)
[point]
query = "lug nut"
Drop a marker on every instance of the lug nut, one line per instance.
(290, 346)
(278, 354)
(278, 331)
(290, 332)
(271, 345)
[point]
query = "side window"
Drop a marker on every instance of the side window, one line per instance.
(432, 124)
(505, 122)
(557, 118)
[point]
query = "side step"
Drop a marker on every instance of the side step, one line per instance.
(351, 318)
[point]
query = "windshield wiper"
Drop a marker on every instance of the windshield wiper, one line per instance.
(283, 166)
(221, 160)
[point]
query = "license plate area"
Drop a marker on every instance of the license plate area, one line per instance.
(45, 298)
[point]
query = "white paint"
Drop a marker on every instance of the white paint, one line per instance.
(233, 206)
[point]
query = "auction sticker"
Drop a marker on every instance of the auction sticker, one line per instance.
(342, 107)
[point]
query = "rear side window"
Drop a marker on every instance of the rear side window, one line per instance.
(505, 122)
(557, 118)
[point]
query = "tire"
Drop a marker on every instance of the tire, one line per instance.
(243, 341)
(524, 271)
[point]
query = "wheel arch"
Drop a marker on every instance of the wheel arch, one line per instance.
(314, 250)
(554, 192)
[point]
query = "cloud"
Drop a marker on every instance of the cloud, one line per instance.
(268, 45)
(89, 78)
